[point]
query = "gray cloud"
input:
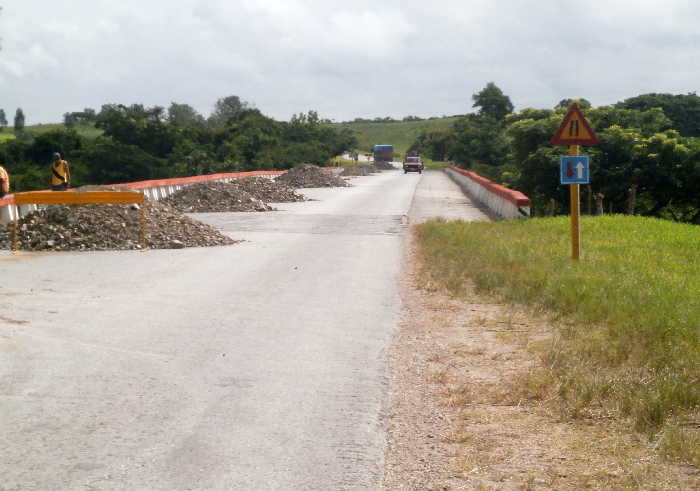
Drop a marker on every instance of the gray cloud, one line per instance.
(344, 59)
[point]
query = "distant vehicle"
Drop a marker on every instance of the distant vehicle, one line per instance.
(384, 153)
(413, 164)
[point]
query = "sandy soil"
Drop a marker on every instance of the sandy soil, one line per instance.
(456, 421)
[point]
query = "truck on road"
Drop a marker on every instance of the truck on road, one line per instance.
(383, 153)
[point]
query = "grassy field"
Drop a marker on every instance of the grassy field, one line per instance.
(400, 134)
(85, 130)
(628, 314)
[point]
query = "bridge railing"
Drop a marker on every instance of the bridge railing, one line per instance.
(500, 200)
(154, 189)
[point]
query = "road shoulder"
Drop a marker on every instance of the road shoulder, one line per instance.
(456, 417)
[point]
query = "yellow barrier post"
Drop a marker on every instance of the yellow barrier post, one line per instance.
(574, 194)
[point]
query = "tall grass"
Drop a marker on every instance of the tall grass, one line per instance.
(628, 312)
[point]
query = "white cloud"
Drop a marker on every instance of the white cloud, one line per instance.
(345, 59)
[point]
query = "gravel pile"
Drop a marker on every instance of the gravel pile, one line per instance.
(383, 166)
(110, 227)
(359, 170)
(310, 176)
(212, 197)
(269, 190)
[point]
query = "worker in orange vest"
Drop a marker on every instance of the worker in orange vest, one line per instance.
(4, 182)
(60, 173)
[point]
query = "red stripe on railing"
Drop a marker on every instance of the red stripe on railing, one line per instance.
(176, 181)
(515, 197)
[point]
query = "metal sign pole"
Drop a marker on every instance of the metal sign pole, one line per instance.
(575, 199)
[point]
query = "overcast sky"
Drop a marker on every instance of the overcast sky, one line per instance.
(345, 59)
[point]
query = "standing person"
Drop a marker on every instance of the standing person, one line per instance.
(60, 173)
(4, 182)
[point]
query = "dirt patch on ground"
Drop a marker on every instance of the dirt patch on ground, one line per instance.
(456, 418)
(311, 176)
(359, 170)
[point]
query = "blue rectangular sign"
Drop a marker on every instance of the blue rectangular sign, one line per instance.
(574, 170)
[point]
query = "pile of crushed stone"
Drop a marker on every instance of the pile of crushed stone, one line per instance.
(383, 165)
(359, 170)
(110, 227)
(269, 190)
(310, 176)
(214, 197)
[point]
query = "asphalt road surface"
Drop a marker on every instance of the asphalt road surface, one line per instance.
(254, 366)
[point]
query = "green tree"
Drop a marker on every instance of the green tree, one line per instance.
(434, 143)
(3, 120)
(19, 120)
(478, 140)
(87, 115)
(183, 115)
(139, 126)
(565, 104)
(106, 161)
(226, 110)
(492, 102)
(682, 109)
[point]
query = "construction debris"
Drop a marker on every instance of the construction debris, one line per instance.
(311, 176)
(383, 165)
(269, 190)
(214, 197)
(110, 227)
(359, 170)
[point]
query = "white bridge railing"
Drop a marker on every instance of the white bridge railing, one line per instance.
(503, 202)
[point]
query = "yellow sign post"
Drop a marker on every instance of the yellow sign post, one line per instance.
(575, 200)
(574, 131)
(81, 198)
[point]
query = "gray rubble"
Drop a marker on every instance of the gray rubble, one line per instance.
(359, 170)
(110, 227)
(215, 197)
(269, 190)
(311, 176)
(383, 165)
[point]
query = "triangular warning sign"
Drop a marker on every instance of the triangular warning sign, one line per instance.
(574, 130)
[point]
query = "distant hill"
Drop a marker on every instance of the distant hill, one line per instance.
(401, 134)
(87, 130)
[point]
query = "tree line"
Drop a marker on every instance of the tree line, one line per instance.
(647, 162)
(139, 143)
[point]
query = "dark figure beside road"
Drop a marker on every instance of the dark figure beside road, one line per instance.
(4, 182)
(60, 173)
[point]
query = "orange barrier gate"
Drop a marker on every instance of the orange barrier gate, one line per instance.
(80, 198)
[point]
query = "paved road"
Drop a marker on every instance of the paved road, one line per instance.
(254, 366)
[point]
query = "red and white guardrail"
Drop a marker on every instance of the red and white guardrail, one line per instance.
(154, 189)
(502, 201)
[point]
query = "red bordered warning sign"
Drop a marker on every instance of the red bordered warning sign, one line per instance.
(574, 130)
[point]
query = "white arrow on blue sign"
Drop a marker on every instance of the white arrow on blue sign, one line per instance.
(574, 169)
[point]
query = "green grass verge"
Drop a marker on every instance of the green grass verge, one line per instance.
(342, 161)
(628, 342)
